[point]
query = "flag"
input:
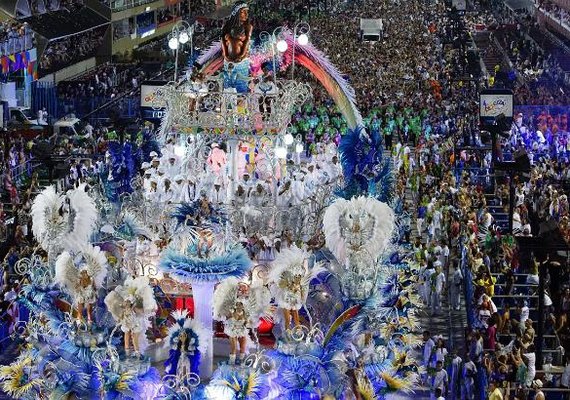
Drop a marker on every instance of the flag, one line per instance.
(5, 65)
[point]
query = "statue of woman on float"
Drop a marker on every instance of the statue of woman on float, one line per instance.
(236, 41)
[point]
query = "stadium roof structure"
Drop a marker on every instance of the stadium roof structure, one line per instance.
(62, 23)
(15, 8)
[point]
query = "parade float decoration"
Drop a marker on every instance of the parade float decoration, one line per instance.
(348, 303)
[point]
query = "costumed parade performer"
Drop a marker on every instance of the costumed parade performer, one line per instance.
(81, 277)
(291, 276)
(131, 305)
(187, 341)
(239, 306)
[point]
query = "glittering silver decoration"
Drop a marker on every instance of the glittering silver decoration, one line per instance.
(207, 106)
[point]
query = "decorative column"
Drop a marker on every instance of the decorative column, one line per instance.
(202, 295)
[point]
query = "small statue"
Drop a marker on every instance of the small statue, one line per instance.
(236, 34)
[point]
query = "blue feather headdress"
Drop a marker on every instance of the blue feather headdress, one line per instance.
(196, 214)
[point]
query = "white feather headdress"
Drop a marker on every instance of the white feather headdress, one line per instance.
(256, 303)
(288, 263)
(225, 297)
(362, 224)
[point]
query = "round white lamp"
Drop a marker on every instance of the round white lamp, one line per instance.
(303, 39)
(173, 43)
(282, 46)
(183, 37)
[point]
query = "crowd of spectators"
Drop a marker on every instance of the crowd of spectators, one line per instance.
(105, 83)
(416, 89)
(15, 37)
(57, 54)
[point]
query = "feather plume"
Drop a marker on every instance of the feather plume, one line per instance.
(132, 227)
(84, 219)
(66, 230)
(365, 221)
(45, 216)
(397, 384)
(365, 389)
(233, 263)
(17, 380)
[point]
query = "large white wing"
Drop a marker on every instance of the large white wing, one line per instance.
(82, 220)
(66, 274)
(96, 264)
(224, 298)
(45, 215)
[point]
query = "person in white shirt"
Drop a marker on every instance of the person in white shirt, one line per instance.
(217, 193)
(456, 288)
(334, 169)
(455, 373)
(180, 189)
(439, 380)
(429, 344)
(298, 189)
(437, 289)
(285, 195)
(172, 167)
(311, 180)
(167, 193)
(427, 284)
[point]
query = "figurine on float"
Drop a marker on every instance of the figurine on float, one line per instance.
(239, 307)
(131, 305)
(187, 341)
(291, 276)
(81, 276)
(236, 41)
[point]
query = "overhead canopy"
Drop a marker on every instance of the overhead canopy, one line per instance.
(62, 23)
(519, 5)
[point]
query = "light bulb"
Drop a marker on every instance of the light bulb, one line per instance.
(173, 43)
(282, 46)
(183, 37)
(299, 148)
(281, 152)
(288, 139)
(303, 39)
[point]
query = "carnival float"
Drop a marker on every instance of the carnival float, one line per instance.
(213, 261)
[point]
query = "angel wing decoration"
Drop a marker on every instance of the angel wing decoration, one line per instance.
(362, 227)
(69, 271)
(63, 221)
